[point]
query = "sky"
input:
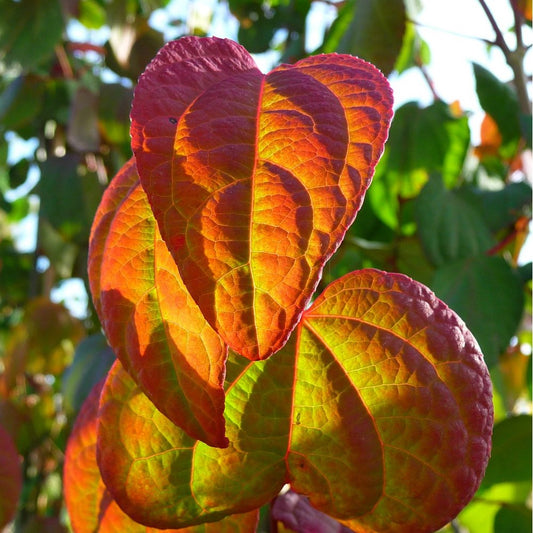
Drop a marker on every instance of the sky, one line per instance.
(452, 29)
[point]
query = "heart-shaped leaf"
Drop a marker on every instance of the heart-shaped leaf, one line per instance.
(150, 320)
(254, 179)
(408, 392)
(146, 463)
(378, 409)
(90, 505)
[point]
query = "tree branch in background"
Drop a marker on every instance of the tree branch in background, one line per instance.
(514, 58)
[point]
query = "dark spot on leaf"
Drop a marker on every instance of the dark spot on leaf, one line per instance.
(172, 120)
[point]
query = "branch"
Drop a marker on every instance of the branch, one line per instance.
(500, 41)
(64, 62)
(516, 61)
(514, 58)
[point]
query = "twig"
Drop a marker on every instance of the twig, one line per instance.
(500, 41)
(64, 62)
(514, 58)
(428, 79)
(516, 61)
(449, 32)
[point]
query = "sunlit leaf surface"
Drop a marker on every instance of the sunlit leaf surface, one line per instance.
(150, 320)
(378, 409)
(401, 405)
(91, 507)
(255, 179)
(147, 463)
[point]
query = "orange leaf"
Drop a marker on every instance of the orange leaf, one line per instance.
(151, 489)
(255, 179)
(491, 138)
(150, 320)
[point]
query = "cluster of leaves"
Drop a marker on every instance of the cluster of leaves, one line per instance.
(449, 216)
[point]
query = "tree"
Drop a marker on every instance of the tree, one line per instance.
(448, 216)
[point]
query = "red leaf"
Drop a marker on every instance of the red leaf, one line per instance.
(10, 478)
(412, 417)
(255, 179)
(150, 320)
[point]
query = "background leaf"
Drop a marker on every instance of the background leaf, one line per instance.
(422, 140)
(10, 478)
(370, 29)
(502, 208)
(501, 103)
(92, 359)
(68, 199)
(221, 174)
(42, 343)
(25, 23)
(511, 447)
(468, 286)
(449, 226)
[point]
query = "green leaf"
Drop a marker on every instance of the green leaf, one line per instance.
(412, 261)
(29, 31)
(511, 452)
(82, 129)
(473, 288)
(61, 253)
(18, 173)
(415, 50)
(92, 359)
(113, 113)
(21, 103)
(502, 208)
(68, 198)
(499, 101)
(421, 141)
(9, 95)
(480, 515)
(92, 14)
(16, 272)
(258, 23)
(516, 518)
(449, 227)
(370, 29)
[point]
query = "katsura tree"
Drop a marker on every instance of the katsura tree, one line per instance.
(449, 206)
(233, 378)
